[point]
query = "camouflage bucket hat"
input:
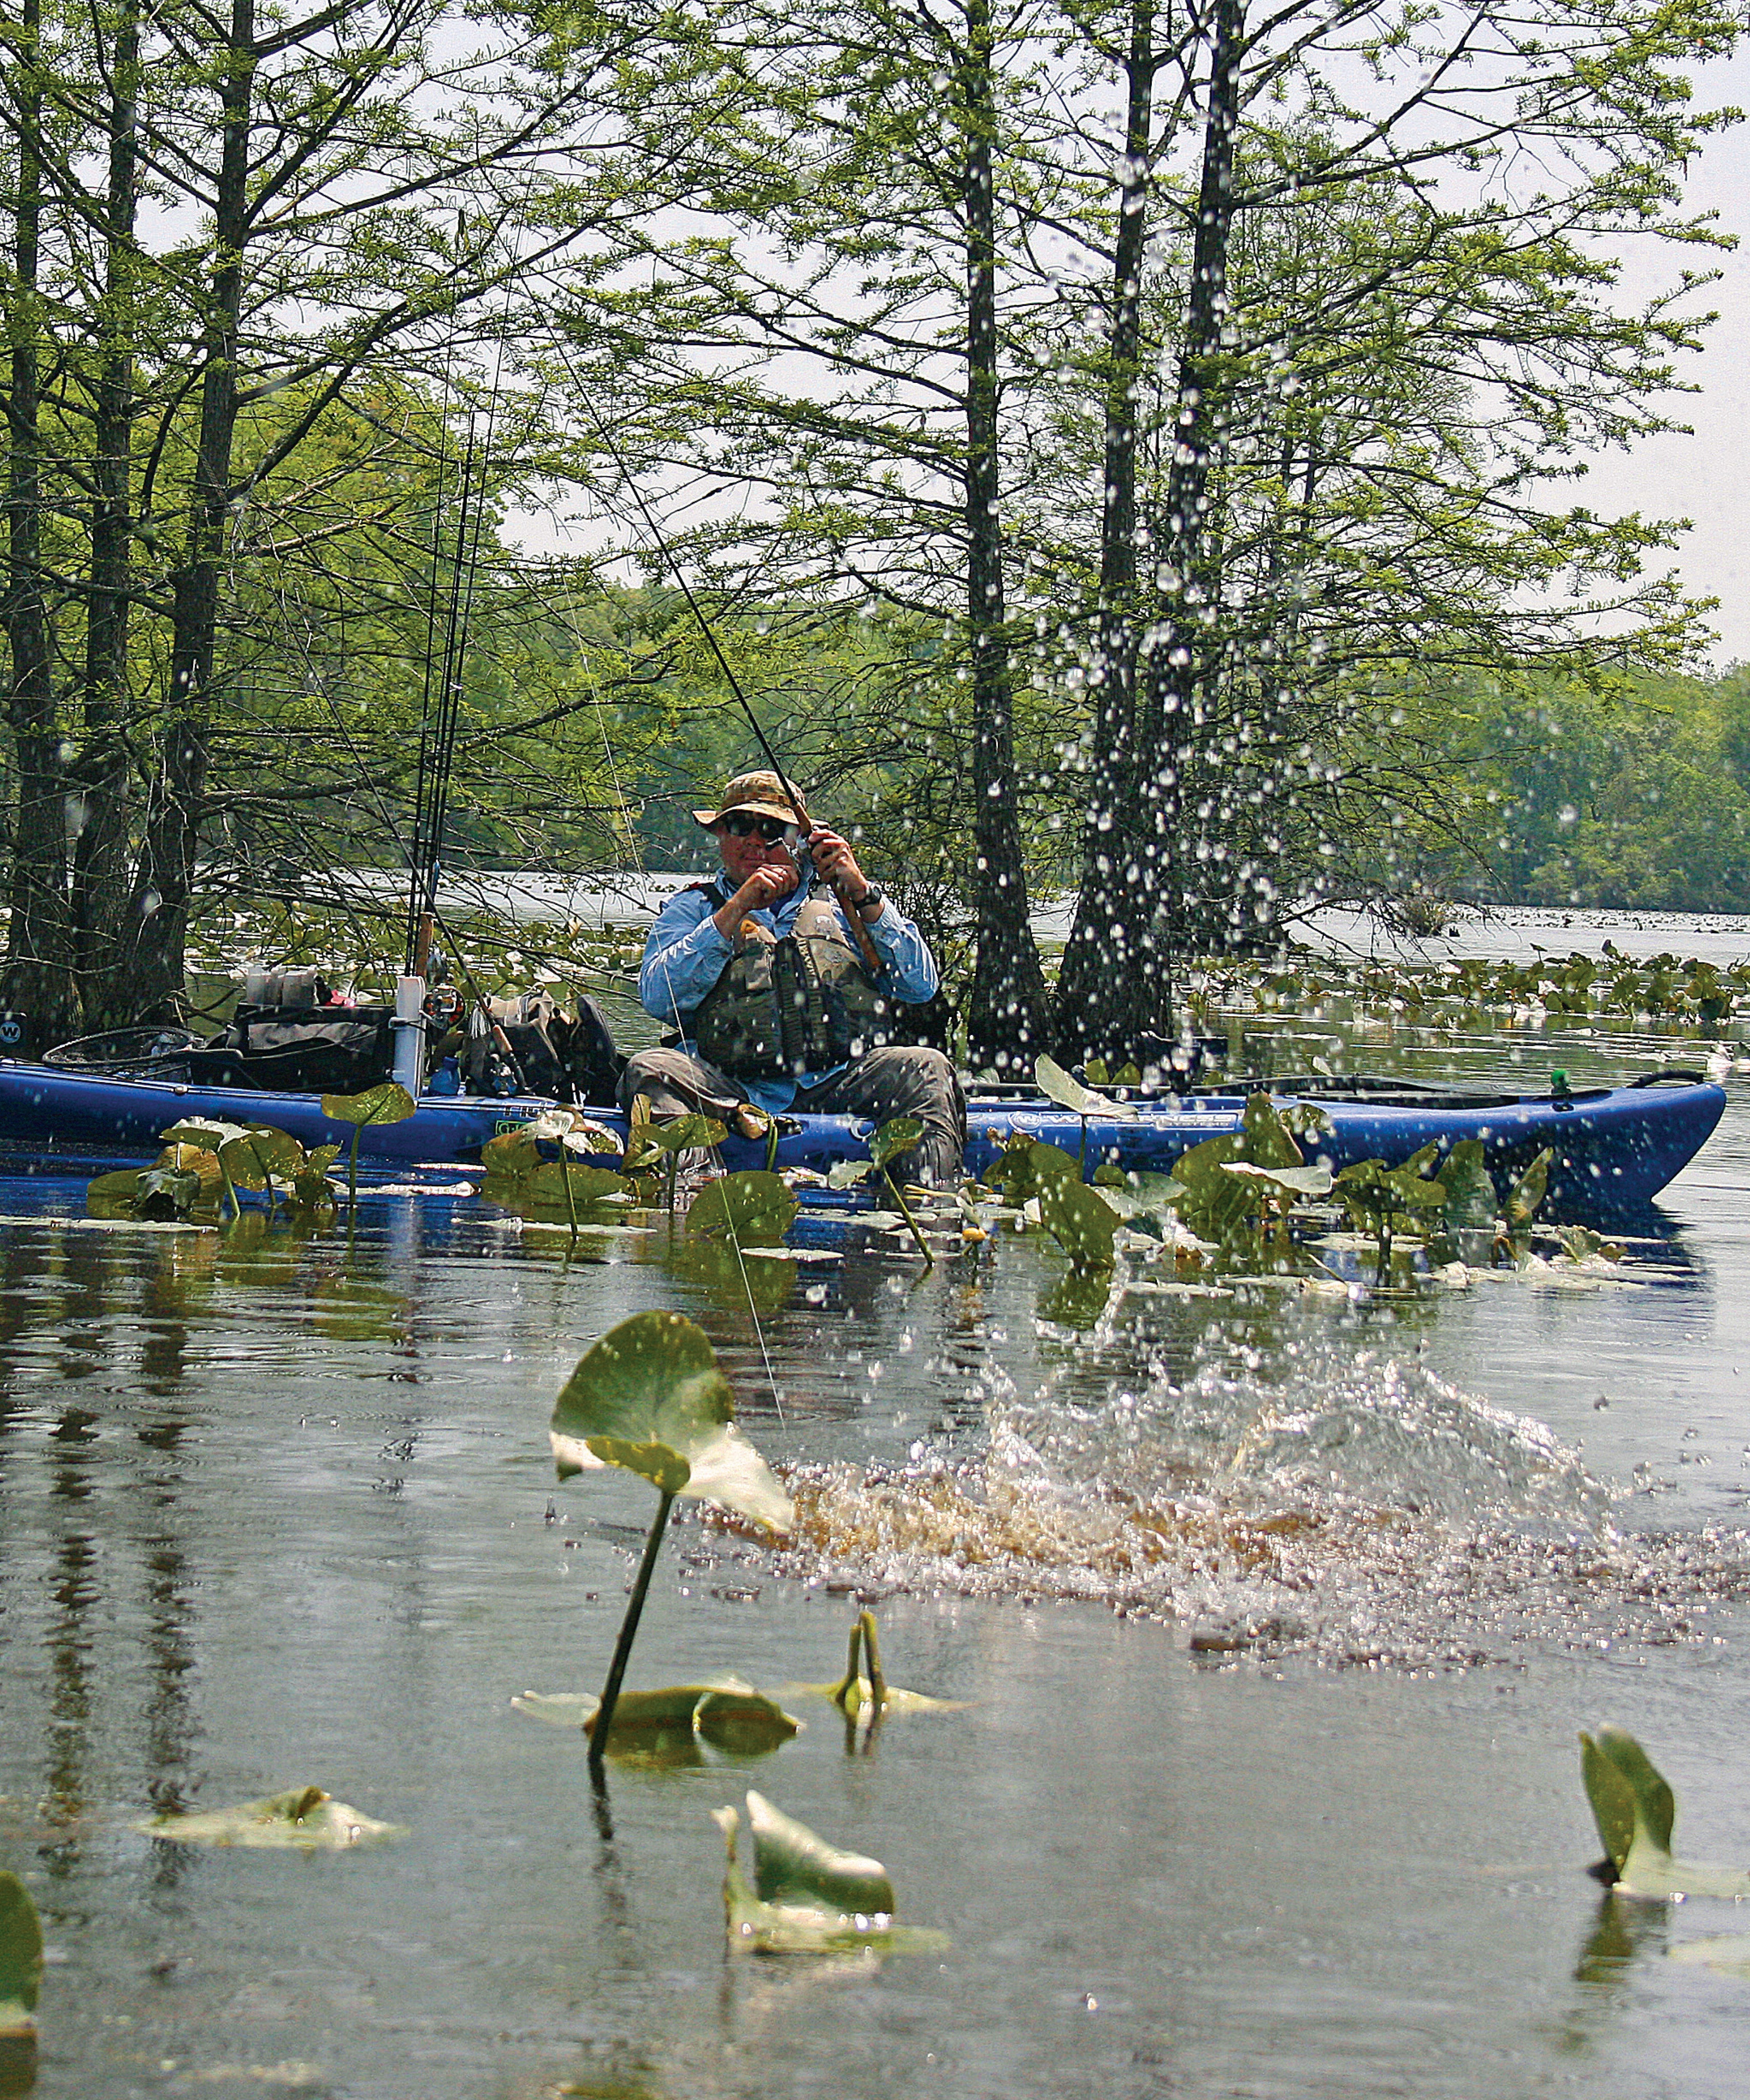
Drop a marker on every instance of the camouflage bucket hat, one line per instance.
(757, 795)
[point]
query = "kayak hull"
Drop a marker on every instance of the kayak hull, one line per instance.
(1614, 1150)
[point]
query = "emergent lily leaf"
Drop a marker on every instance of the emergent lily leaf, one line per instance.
(1635, 1812)
(754, 1209)
(304, 1819)
(1081, 1221)
(871, 1697)
(20, 1959)
(1471, 1203)
(808, 1897)
(1057, 1085)
(649, 1396)
(389, 1102)
(893, 1138)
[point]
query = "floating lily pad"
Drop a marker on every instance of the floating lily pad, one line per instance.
(1636, 1812)
(20, 1961)
(668, 1725)
(862, 1697)
(205, 1132)
(649, 1396)
(304, 1819)
(808, 1897)
(688, 1133)
(753, 1208)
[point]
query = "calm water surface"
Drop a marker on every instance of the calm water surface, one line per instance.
(1278, 1622)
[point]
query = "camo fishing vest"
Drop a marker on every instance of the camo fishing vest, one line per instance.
(784, 1007)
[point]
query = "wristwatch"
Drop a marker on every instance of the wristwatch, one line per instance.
(875, 895)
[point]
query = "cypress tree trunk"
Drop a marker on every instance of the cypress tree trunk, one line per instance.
(100, 874)
(149, 979)
(1006, 1024)
(1176, 762)
(35, 979)
(1095, 1000)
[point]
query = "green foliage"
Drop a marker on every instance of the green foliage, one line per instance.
(1081, 1221)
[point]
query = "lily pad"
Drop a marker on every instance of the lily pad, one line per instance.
(20, 1959)
(1636, 1812)
(753, 1208)
(303, 1819)
(687, 1133)
(1471, 1203)
(1525, 1198)
(1081, 1221)
(900, 1136)
(649, 1396)
(668, 1725)
(808, 1897)
(388, 1102)
(260, 1154)
(1068, 1092)
(1026, 1165)
(1300, 1183)
(205, 1132)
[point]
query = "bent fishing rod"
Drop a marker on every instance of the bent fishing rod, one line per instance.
(799, 852)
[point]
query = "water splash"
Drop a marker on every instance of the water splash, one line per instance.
(1358, 1510)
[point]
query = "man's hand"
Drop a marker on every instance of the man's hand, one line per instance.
(836, 864)
(762, 889)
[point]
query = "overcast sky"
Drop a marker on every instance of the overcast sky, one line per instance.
(1705, 478)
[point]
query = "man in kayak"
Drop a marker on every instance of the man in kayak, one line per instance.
(766, 974)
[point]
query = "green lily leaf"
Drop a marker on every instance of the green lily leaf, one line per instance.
(388, 1102)
(260, 1154)
(1057, 1085)
(541, 1191)
(1026, 1164)
(681, 1135)
(668, 1725)
(20, 1959)
(808, 1897)
(1298, 1182)
(753, 1208)
(1471, 1203)
(1526, 1197)
(510, 1155)
(304, 1819)
(1081, 1221)
(1636, 1812)
(893, 1139)
(861, 1706)
(650, 1392)
(847, 1173)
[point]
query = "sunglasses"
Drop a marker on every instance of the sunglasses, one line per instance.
(771, 829)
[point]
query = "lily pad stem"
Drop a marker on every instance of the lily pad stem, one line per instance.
(904, 1212)
(872, 1659)
(771, 1145)
(844, 1694)
(352, 1170)
(565, 1175)
(628, 1627)
(224, 1171)
(1082, 1158)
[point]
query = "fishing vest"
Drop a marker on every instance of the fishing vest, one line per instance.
(786, 1005)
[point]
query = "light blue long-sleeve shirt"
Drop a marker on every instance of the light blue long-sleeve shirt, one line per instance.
(684, 954)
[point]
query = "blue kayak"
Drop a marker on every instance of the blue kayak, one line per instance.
(1615, 1147)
